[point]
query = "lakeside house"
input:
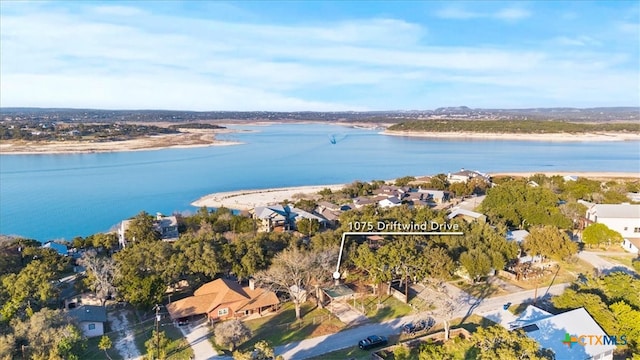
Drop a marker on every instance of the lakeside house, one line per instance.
(90, 318)
(623, 218)
(466, 175)
(569, 335)
(165, 226)
(282, 218)
(466, 215)
(59, 248)
(224, 299)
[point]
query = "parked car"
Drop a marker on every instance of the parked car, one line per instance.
(372, 341)
(419, 325)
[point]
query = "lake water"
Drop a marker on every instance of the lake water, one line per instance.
(49, 197)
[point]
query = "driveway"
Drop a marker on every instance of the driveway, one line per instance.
(197, 335)
(603, 265)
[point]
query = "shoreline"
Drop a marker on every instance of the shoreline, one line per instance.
(560, 137)
(248, 199)
(191, 138)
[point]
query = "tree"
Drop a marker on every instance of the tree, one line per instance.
(101, 271)
(157, 346)
(496, 342)
(231, 333)
(477, 263)
(32, 285)
(404, 181)
(261, 351)
(550, 242)
(629, 322)
(401, 352)
(105, 344)
(49, 334)
(292, 271)
(596, 234)
(571, 299)
(141, 229)
(308, 226)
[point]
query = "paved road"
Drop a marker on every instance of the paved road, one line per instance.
(344, 339)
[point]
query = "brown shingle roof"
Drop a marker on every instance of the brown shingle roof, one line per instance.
(222, 293)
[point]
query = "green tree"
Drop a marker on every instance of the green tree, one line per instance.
(404, 181)
(629, 323)
(261, 351)
(105, 344)
(571, 299)
(231, 333)
(596, 234)
(477, 263)
(496, 342)
(32, 285)
(157, 346)
(141, 229)
(308, 226)
(401, 352)
(549, 242)
(101, 270)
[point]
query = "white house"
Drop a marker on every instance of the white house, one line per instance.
(59, 248)
(466, 175)
(90, 318)
(623, 218)
(166, 226)
(390, 202)
(517, 235)
(571, 335)
(467, 215)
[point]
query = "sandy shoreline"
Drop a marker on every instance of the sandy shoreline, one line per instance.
(563, 137)
(248, 199)
(187, 139)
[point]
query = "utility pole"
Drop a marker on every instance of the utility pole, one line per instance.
(157, 309)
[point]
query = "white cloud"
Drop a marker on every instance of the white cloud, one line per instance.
(581, 40)
(171, 62)
(506, 14)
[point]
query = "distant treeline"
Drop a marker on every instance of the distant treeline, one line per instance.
(512, 126)
(196, 126)
(49, 131)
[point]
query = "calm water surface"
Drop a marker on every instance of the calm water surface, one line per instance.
(61, 196)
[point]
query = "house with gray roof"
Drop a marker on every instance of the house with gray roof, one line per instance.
(466, 215)
(59, 248)
(570, 335)
(165, 226)
(90, 318)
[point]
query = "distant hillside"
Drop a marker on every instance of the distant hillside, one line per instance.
(460, 112)
(514, 126)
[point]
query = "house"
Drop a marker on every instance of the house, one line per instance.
(390, 202)
(361, 202)
(623, 218)
(165, 226)
(466, 215)
(570, 178)
(223, 299)
(437, 196)
(632, 245)
(273, 217)
(569, 335)
(59, 248)
(282, 218)
(466, 175)
(90, 318)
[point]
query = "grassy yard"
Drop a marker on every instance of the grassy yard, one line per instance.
(92, 351)
(480, 290)
(283, 328)
(620, 259)
(178, 347)
(390, 307)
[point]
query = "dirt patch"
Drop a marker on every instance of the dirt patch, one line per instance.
(324, 329)
(125, 344)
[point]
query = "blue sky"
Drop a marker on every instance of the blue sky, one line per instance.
(319, 56)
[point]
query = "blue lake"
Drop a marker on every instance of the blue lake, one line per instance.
(49, 197)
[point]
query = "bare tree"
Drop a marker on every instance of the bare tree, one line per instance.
(231, 333)
(293, 271)
(101, 274)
